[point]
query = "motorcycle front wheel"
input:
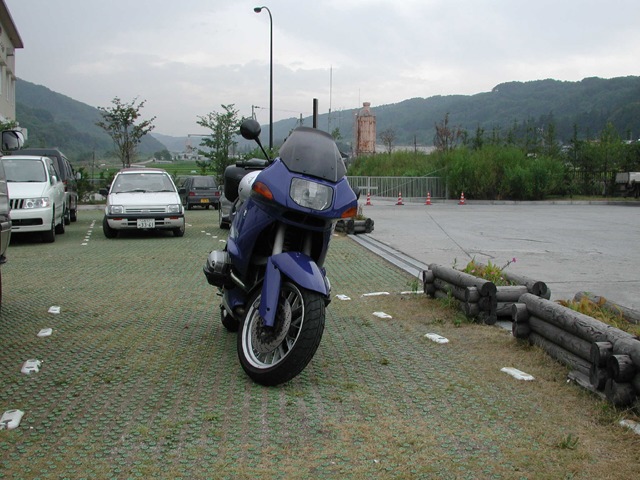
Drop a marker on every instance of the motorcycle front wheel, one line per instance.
(274, 355)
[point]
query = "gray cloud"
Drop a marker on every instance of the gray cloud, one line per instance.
(187, 58)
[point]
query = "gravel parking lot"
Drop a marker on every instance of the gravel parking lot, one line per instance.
(140, 380)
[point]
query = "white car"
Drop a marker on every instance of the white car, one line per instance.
(142, 198)
(36, 196)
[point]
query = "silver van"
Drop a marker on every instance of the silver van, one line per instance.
(65, 173)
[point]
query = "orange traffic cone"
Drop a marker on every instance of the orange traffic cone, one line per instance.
(428, 202)
(461, 202)
(399, 199)
(368, 200)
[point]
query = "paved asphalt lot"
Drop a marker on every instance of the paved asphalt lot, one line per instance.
(571, 247)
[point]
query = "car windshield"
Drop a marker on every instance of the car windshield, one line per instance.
(203, 182)
(142, 182)
(23, 170)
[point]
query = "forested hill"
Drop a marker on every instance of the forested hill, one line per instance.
(55, 120)
(588, 104)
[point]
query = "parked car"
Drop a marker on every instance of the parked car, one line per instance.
(200, 190)
(36, 196)
(142, 198)
(224, 213)
(11, 140)
(65, 173)
(5, 221)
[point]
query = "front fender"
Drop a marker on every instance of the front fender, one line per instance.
(297, 267)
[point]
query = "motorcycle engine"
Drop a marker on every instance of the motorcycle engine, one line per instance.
(218, 269)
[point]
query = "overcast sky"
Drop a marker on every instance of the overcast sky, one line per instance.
(187, 57)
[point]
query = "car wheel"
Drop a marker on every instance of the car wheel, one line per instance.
(50, 235)
(73, 215)
(188, 206)
(178, 232)
(67, 216)
(107, 230)
(63, 221)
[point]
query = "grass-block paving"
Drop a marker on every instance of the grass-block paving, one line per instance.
(140, 380)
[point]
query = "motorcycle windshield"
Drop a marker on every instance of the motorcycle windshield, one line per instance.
(313, 152)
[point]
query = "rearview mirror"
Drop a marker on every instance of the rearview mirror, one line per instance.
(250, 129)
(12, 140)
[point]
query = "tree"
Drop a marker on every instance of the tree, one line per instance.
(388, 136)
(224, 127)
(162, 155)
(119, 121)
(447, 137)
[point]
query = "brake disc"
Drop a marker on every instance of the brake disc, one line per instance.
(266, 339)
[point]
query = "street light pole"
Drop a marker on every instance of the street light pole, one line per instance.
(258, 10)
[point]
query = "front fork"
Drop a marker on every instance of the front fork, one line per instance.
(298, 266)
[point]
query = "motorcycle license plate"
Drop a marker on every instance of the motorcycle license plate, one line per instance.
(204, 200)
(146, 223)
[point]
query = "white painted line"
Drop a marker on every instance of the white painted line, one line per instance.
(31, 366)
(45, 332)
(11, 419)
(434, 337)
(517, 374)
(54, 309)
(382, 315)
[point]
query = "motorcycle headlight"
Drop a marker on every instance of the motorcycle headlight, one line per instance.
(38, 202)
(175, 208)
(116, 209)
(311, 194)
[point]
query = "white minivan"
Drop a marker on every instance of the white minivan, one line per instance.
(36, 196)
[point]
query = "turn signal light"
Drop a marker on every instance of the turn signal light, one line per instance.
(261, 189)
(349, 212)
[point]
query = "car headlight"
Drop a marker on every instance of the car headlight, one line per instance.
(116, 209)
(174, 208)
(38, 202)
(311, 194)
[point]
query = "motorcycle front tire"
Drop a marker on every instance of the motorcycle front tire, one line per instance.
(274, 355)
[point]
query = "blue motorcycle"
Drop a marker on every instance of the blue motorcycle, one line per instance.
(271, 273)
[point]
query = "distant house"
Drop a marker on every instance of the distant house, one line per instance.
(9, 41)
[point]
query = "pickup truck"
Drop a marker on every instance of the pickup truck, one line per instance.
(628, 183)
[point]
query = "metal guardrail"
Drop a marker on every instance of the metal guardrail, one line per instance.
(392, 187)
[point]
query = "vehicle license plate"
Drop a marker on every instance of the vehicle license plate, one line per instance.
(146, 223)
(204, 200)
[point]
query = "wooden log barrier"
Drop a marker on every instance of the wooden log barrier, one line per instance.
(510, 293)
(563, 356)
(620, 394)
(456, 277)
(600, 353)
(520, 317)
(457, 292)
(427, 283)
(598, 376)
(536, 287)
(503, 309)
(471, 310)
(574, 322)
(471, 294)
(632, 316)
(621, 368)
(562, 338)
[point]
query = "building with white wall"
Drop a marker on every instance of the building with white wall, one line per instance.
(9, 41)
